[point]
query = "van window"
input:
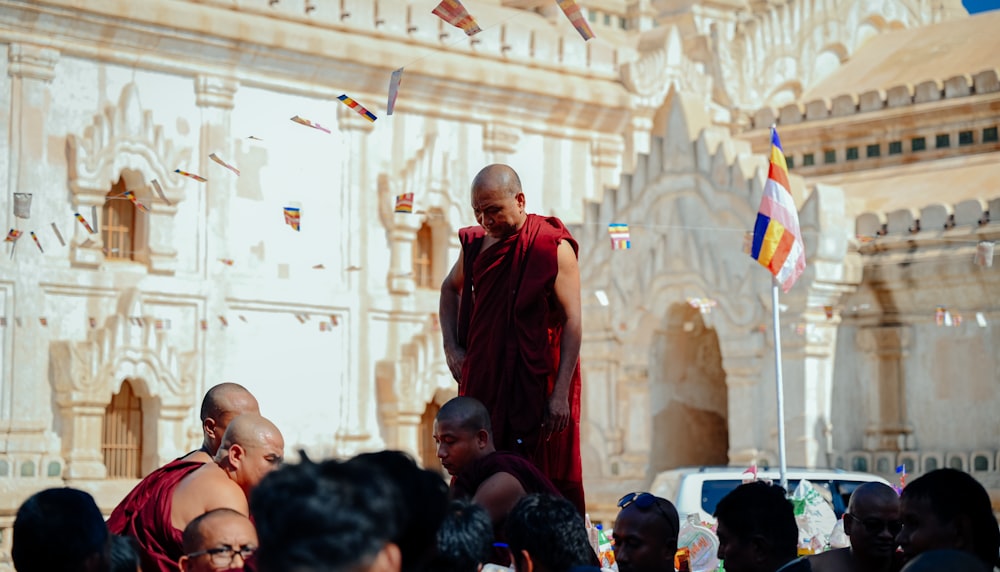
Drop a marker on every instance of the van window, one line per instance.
(713, 491)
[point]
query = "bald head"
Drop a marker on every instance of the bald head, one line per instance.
(871, 494)
(195, 531)
(249, 430)
(497, 177)
(222, 404)
(466, 413)
(251, 448)
(217, 530)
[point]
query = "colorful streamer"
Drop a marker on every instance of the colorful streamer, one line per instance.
(84, 222)
(130, 195)
(453, 12)
(404, 203)
(293, 218)
(37, 243)
(394, 81)
(218, 160)
(13, 235)
(572, 11)
(358, 107)
(198, 178)
(307, 123)
(619, 234)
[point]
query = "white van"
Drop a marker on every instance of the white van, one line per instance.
(699, 489)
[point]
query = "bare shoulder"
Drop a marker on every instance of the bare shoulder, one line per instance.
(205, 489)
(837, 560)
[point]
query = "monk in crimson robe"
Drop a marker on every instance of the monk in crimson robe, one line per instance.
(511, 320)
(157, 513)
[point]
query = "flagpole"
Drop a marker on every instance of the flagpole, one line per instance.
(783, 469)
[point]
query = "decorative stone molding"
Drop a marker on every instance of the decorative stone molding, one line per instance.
(888, 427)
(85, 376)
(215, 91)
(500, 138)
(124, 142)
(30, 61)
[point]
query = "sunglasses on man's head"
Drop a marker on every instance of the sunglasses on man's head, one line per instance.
(643, 501)
(875, 526)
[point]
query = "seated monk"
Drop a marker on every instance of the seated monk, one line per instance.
(251, 447)
(222, 404)
(496, 480)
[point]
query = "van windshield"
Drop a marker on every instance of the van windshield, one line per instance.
(713, 491)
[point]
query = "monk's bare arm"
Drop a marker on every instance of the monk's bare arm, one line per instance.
(451, 292)
(498, 495)
(567, 291)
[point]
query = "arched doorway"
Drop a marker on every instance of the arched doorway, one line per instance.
(688, 394)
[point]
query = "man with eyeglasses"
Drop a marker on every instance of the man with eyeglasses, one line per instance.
(645, 533)
(872, 522)
(221, 539)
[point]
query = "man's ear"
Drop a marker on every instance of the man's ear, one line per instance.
(236, 454)
(482, 438)
(760, 547)
(208, 425)
(184, 563)
(529, 566)
(389, 559)
(520, 200)
(848, 524)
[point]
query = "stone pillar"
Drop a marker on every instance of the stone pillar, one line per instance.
(359, 429)
(884, 349)
(31, 69)
(214, 98)
(743, 378)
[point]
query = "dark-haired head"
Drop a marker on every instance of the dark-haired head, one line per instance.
(948, 509)
(124, 555)
(552, 533)
(757, 529)
(61, 530)
(465, 539)
(325, 517)
(424, 502)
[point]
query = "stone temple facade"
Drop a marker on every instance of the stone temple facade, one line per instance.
(888, 111)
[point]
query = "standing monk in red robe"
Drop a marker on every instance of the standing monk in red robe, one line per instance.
(510, 316)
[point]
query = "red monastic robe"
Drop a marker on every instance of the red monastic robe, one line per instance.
(510, 324)
(145, 516)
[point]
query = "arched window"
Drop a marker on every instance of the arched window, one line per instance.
(118, 231)
(122, 443)
(423, 257)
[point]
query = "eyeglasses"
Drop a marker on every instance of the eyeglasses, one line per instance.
(874, 526)
(223, 556)
(643, 501)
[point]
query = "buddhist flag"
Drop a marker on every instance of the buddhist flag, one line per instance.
(293, 218)
(453, 12)
(777, 240)
(404, 203)
(620, 239)
(13, 235)
(572, 11)
(358, 107)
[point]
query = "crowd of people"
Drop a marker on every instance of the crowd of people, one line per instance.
(510, 319)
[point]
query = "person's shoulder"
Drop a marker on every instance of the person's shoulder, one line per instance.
(831, 560)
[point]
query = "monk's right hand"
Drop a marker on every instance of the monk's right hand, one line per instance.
(456, 359)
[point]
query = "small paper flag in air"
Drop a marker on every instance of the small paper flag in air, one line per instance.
(130, 195)
(243, 319)
(324, 326)
(358, 107)
(158, 324)
(203, 324)
(307, 123)
(44, 322)
(216, 158)
(619, 236)
(37, 243)
(3, 322)
(404, 203)
(94, 219)
(828, 310)
(333, 320)
(224, 321)
(984, 254)
(353, 268)
(18, 322)
(939, 313)
(13, 235)
(301, 318)
(227, 261)
(454, 13)
(319, 267)
(293, 218)
(747, 242)
(901, 471)
(198, 178)
(254, 138)
(93, 322)
(572, 11)
(394, 81)
(55, 229)
(159, 191)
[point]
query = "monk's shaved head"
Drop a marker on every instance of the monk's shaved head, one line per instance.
(249, 430)
(195, 531)
(467, 413)
(871, 494)
(226, 398)
(498, 177)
